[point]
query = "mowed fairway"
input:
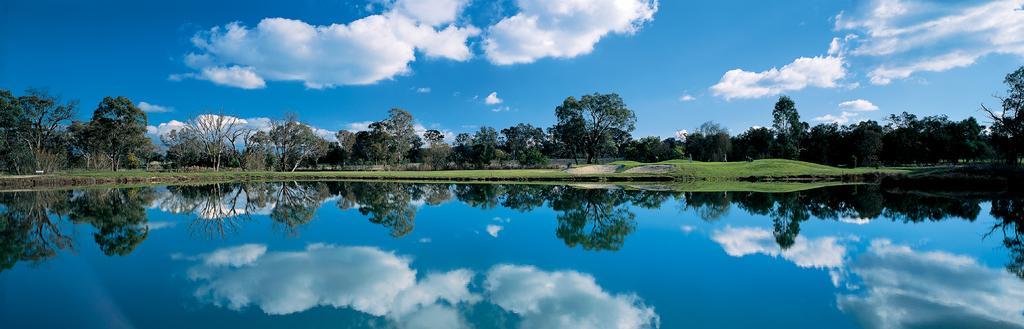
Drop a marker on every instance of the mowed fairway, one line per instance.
(675, 170)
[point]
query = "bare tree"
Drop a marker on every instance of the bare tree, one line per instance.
(217, 133)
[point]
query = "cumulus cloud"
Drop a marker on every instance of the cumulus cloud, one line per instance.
(842, 118)
(423, 90)
(164, 128)
(563, 299)
(850, 111)
(562, 29)
(493, 99)
(804, 72)
(932, 36)
(364, 279)
(382, 284)
(687, 98)
(907, 288)
(153, 108)
(824, 252)
(431, 12)
(364, 51)
(858, 105)
(233, 76)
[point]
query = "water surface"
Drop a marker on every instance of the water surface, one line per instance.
(393, 255)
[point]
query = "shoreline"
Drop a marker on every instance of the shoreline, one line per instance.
(127, 178)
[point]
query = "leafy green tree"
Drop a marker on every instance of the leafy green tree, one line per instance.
(709, 142)
(17, 156)
(462, 149)
(866, 137)
(651, 149)
(118, 129)
(295, 143)
(589, 122)
(346, 144)
(484, 146)
(523, 139)
(43, 118)
(825, 144)
(786, 122)
(438, 152)
(400, 135)
(753, 144)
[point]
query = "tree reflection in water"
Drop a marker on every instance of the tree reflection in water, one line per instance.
(592, 218)
(29, 226)
(1010, 216)
(118, 214)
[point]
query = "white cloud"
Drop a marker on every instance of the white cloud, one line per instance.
(824, 252)
(819, 71)
(932, 36)
(563, 299)
(233, 76)
(364, 51)
(431, 12)
(493, 230)
(155, 225)
(153, 108)
(562, 29)
(380, 283)
(359, 126)
(687, 98)
(885, 74)
(164, 128)
(364, 279)
(851, 111)
(844, 117)
(906, 288)
(819, 253)
(423, 90)
(493, 99)
(860, 105)
(501, 109)
(235, 256)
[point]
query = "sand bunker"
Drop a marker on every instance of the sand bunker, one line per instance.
(594, 169)
(651, 169)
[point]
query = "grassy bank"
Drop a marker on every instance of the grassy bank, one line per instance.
(769, 169)
(670, 171)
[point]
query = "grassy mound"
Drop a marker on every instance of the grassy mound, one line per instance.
(770, 168)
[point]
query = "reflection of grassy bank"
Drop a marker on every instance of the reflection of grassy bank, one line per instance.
(960, 179)
(705, 176)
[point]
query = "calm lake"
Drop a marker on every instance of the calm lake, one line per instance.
(395, 255)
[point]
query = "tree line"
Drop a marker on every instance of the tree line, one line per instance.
(39, 133)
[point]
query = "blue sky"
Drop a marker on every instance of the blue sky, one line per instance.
(339, 64)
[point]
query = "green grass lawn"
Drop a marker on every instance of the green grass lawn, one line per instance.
(683, 171)
(757, 168)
